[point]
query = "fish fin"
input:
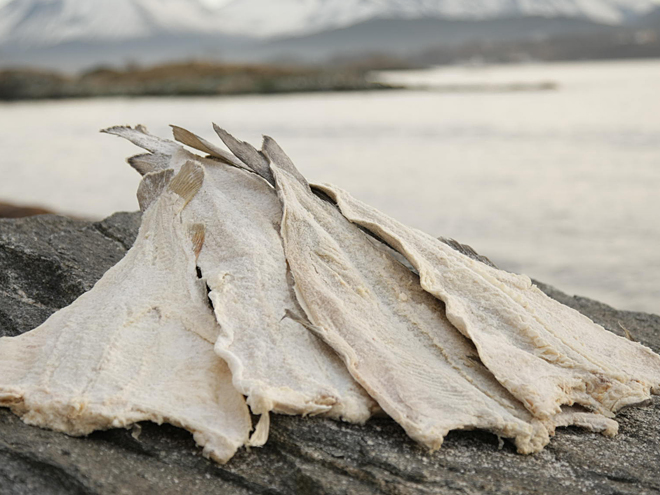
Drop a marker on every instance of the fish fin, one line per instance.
(260, 435)
(142, 138)
(151, 187)
(119, 130)
(188, 138)
(198, 236)
(467, 251)
(149, 162)
(188, 181)
(247, 153)
(142, 163)
(277, 156)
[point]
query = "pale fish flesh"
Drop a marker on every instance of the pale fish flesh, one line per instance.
(394, 337)
(275, 361)
(138, 346)
(545, 353)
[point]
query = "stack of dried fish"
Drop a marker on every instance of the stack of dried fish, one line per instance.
(248, 289)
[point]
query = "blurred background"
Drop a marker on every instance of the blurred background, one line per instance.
(529, 129)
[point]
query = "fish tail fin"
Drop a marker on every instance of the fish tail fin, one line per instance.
(140, 136)
(188, 181)
(188, 138)
(277, 156)
(142, 163)
(247, 153)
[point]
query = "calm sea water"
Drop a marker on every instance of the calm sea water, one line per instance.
(562, 185)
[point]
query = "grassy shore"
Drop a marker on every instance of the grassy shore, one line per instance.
(180, 79)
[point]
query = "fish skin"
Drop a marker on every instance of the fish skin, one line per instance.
(137, 347)
(546, 354)
(275, 361)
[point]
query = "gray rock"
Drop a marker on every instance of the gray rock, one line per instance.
(48, 261)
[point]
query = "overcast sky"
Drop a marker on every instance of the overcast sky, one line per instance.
(213, 3)
(218, 3)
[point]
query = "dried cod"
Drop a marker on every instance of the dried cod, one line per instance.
(545, 353)
(275, 361)
(314, 296)
(394, 337)
(138, 346)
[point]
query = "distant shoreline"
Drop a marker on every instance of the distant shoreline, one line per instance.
(181, 79)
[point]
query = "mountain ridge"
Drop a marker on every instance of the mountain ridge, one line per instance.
(154, 35)
(404, 37)
(309, 16)
(52, 22)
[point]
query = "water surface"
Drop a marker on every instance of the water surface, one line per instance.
(562, 185)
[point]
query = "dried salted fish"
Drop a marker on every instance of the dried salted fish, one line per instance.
(392, 335)
(275, 361)
(546, 354)
(138, 346)
(364, 311)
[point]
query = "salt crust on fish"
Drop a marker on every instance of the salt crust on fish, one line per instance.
(137, 347)
(545, 353)
(275, 361)
(392, 335)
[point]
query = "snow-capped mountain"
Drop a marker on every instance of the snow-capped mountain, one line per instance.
(289, 17)
(51, 22)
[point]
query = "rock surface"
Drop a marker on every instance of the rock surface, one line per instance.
(47, 261)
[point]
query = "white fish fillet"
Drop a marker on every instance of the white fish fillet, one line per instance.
(393, 336)
(138, 346)
(546, 354)
(275, 361)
